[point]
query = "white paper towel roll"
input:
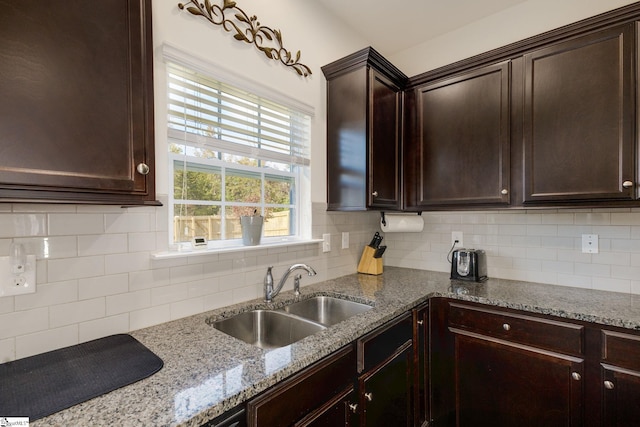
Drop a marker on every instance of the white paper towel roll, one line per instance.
(402, 223)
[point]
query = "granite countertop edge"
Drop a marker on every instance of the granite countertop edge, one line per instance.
(207, 373)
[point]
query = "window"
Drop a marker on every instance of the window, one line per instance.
(232, 153)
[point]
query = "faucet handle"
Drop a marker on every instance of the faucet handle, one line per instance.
(296, 284)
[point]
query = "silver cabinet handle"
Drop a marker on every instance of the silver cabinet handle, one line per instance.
(504, 192)
(374, 194)
(420, 322)
(576, 376)
(627, 184)
(143, 168)
(368, 396)
(506, 327)
(609, 385)
(353, 407)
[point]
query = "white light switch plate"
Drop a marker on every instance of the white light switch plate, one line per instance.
(326, 244)
(590, 244)
(345, 240)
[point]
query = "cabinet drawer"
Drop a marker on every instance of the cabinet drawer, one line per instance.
(297, 396)
(534, 331)
(377, 346)
(620, 349)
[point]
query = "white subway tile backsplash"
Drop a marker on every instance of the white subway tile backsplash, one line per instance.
(144, 318)
(129, 222)
(187, 307)
(76, 312)
(102, 244)
(104, 326)
(96, 276)
(51, 339)
(101, 286)
(126, 302)
(75, 268)
(67, 224)
(7, 350)
(23, 225)
(48, 294)
(23, 322)
(127, 262)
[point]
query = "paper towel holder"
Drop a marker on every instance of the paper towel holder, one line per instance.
(384, 222)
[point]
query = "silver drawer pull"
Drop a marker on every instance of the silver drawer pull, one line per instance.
(609, 385)
(369, 396)
(506, 327)
(353, 407)
(576, 376)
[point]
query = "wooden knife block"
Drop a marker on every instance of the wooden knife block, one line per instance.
(368, 264)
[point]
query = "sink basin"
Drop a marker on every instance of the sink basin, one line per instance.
(267, 329)
(326, 310)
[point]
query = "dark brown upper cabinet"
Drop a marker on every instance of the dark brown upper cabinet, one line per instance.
(579, 119)
(458, 140)
(76, 102)
(364, 127)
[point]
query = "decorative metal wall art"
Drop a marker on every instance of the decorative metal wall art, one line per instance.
(248, 29)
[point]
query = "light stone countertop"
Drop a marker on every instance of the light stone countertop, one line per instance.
(206, 372)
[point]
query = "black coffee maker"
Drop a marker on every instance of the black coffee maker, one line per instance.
(469, 264)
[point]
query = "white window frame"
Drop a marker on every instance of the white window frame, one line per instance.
(301, 205)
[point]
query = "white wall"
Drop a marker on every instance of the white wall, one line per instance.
(511, 25)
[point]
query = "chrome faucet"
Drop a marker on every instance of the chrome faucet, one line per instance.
(270, 292)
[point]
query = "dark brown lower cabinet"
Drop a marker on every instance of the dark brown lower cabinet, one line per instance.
(385, 392)
(493, 367)
(367, 383)
(339, 411)
(312, 389)
(499, 367)
(500, 384)
(620, 382)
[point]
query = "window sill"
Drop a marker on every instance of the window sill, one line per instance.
(189, 252)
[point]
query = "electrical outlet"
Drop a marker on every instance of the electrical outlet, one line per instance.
(457, 235)
(326, 244)
(590, 244)
(345, 240)
(22, 282)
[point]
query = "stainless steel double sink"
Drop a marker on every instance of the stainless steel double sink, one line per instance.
(278, 328)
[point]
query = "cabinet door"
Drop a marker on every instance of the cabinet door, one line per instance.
(384, 142)
(312, 390)
(386, 392)
(338, 412)
(621, 394)
(498, 384)
(579, 118)
(421, 349)
(76, 102)
(462, 142)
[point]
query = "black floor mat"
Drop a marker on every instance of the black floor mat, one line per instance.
(41, 385)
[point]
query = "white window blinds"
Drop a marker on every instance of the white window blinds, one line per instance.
(204, 112)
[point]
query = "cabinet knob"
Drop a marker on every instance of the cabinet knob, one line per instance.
(420, 322)
(353, 407)
(609, 385)
(627, 184)
(576, 376)
(504, 192)
(506, 327)
(143, 168)
(368, 396)
(374, 194)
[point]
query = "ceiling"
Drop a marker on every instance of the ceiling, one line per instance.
(391, 27)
